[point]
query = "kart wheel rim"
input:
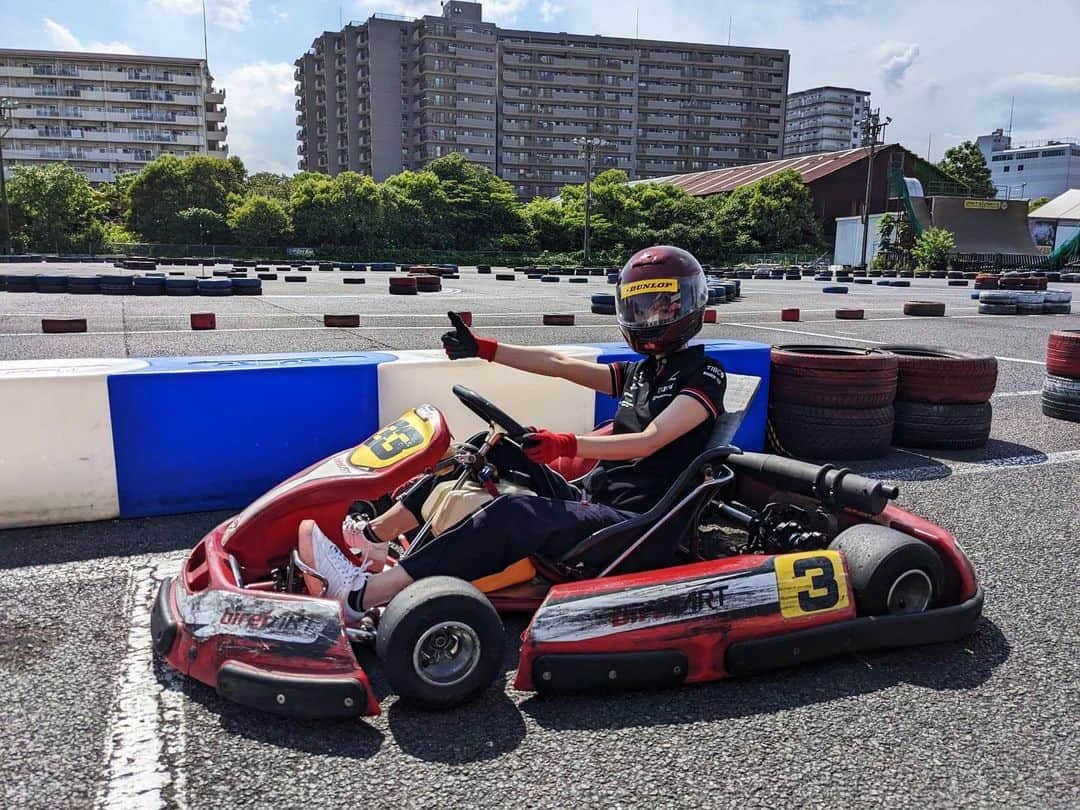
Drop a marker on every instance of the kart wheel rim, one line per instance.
(910, 593)
(446, 654)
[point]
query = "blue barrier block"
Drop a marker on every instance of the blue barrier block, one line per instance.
(202, 433)
(736, 356)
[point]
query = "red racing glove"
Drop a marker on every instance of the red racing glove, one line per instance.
(463, 342)
(543, 446)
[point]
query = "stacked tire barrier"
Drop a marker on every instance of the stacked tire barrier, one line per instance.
(1061, 388)
(831, 401)
(942, 398)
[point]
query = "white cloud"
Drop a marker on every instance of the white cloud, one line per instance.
(895, 59)
(232, 14)
(64, 40)
(260, 115)
(549, 10)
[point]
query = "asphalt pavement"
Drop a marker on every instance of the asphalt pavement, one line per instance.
(990, 720)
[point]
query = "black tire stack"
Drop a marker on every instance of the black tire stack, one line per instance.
(942, 398)
(603, 304)
(1061, 388)
(831, 402)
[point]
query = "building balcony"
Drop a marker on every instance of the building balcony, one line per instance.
(217, 134)
(216, 116)
(299, 105)
(215, 96)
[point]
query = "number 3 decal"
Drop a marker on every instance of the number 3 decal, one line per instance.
(811, 582)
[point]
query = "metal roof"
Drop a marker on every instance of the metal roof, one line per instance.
(810, 168)
(1063, 206)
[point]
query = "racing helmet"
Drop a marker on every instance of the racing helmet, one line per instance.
(660, 299)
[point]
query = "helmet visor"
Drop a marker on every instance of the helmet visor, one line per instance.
(659, 301)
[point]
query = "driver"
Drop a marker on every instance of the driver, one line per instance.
(668, 403)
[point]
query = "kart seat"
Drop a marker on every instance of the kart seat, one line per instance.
(687, 496)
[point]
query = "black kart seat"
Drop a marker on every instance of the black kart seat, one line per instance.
(596, 553)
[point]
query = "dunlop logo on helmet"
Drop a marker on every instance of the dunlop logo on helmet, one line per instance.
(649, 285)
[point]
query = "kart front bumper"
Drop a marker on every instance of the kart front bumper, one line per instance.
(333, 686)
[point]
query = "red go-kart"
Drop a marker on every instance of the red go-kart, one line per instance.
(782, 563)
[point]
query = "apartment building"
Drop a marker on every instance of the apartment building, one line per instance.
(824, 119)
(1031, 170)
(106, 113)
(394, 93)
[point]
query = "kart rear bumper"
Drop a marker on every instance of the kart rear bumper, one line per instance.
(292, 685)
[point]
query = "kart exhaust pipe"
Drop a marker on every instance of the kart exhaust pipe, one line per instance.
(834, 486)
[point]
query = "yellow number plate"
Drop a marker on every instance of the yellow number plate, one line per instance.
(811, 582)
(397, 441)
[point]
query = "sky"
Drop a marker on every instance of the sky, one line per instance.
(944, 70)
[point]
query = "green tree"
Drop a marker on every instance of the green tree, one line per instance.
(317, 209)
(199, 226)
(416, 211)
(967, 165)
(932, 248)
(260, 221)
(268, 184)
(479, 205)
(775, 213)
(169, 185)
(361, 212)
(544, 219)
(53, 208)
(1037, 203)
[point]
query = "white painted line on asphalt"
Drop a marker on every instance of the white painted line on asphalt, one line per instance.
(138, 749)
(798, 332)
(946, 469)
(1022, 360)
(1017, 394)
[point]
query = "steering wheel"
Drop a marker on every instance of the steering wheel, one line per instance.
(488, 412)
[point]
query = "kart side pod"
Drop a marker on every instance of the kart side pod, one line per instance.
(675, 625)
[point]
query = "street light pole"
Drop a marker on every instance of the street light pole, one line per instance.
(6, 104)
(588, 144)
(872, 126)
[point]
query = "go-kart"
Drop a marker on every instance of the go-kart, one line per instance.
(780, 563)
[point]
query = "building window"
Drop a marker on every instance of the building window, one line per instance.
(1007, 169)
(1020, 168)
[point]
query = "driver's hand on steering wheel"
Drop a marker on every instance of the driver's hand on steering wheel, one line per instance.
(462, 342)
(543, 446)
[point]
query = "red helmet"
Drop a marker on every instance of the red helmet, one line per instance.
(660, 299)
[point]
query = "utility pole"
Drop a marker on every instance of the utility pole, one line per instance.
(872, 126)
(6, 105)
(588, 144)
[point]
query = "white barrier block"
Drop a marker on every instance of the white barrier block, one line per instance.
(56, 445)
(428, 376)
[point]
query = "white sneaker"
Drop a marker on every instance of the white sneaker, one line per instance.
(352, 529)
(342, 577)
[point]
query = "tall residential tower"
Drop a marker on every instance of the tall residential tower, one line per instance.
(393, 93)
(824, 119)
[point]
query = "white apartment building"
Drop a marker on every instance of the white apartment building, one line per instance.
(1031, 170)
(824, 119)
(107, 113)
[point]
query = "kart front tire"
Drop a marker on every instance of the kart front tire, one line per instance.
(440, 642)
(891, 572)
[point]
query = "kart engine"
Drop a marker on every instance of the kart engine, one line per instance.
(781, 528)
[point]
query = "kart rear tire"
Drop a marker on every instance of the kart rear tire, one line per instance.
(891, 572)
(413, 620)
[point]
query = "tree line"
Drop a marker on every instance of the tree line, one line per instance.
(450, 206)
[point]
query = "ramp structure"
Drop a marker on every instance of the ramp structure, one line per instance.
(984, 226)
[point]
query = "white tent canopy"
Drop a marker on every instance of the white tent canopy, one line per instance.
(1063, 206)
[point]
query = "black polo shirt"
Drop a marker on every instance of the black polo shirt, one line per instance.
(644, 389)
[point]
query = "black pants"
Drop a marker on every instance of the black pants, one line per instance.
(511, 527)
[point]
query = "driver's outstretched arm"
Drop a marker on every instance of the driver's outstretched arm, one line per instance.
(463, 342)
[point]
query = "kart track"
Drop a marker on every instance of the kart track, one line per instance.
(92, 720)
